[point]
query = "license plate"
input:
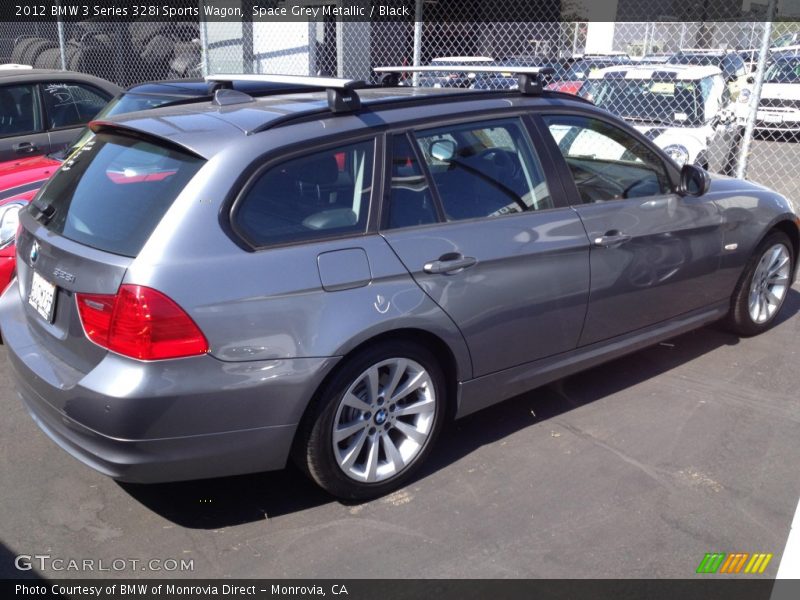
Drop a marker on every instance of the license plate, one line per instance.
(42, 297)
(768, 118)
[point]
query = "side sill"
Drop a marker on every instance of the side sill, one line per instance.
(482, 392)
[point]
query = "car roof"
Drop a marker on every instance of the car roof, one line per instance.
(8, 76)
(785, 56)
(636, 71)
(206, 128)
(705, 51)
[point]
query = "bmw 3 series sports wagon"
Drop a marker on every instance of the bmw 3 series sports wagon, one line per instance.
(211, 289)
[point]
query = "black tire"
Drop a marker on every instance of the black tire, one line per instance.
(77, 59)
(313, 450)
(739, 319)
(33, 51)
(21, 47)
(70, 52)
(157, 50)
(49, 59)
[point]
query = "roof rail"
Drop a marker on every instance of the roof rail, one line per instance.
(529, 78)
(342, 96)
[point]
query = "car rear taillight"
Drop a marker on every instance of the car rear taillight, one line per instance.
(140, 322)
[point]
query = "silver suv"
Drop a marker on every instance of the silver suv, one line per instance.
(209, 289)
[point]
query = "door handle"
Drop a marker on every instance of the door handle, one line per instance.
(449, 263)
(612, 238)
(24, 148)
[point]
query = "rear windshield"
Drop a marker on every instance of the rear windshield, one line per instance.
(124, 103)
(112, 193)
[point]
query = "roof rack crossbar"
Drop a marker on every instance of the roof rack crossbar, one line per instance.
(529, 78)
(342, 96)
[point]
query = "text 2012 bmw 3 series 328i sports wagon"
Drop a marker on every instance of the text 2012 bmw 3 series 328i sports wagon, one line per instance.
(209, 289)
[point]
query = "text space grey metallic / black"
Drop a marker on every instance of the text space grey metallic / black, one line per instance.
(205, 290)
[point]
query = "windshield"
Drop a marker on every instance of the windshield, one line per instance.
(783, 71)
(702, 60)
(669, 102)
(124, 103)
(785, 40)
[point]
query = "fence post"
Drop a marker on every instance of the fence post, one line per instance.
(575, 28)
(417, 40)
(203, 39)
(62, 46)
(755, 93)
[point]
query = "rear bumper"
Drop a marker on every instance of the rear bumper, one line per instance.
(163, 421)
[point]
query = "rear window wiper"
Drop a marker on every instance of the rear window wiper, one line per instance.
(45, 211)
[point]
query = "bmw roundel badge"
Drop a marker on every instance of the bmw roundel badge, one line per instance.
(34, 253)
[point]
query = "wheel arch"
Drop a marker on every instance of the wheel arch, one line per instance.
(791, 229)
(441, 350)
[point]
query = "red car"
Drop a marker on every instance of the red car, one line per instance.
(19, 182)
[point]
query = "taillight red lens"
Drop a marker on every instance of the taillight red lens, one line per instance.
(95, 311)
(140, 322)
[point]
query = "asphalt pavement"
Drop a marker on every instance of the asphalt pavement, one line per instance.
(636, 468)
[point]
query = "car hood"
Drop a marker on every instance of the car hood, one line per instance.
(782, 91)
(22, 175)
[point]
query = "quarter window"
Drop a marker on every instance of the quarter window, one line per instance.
(484, 169)
(606, 162)
(410, 200)
(318, 195)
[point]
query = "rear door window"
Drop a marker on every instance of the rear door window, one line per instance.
(69, 104)
(318, 195)
(113, 192)
(485, 169)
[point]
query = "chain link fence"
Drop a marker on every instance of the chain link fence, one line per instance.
(697, 89)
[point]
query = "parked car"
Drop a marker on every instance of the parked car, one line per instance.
(450, 78)
(21, 179)
(41, 111)
(581, 67)
(733, 67)
(686, 110)
(779, 106)
(206, 289)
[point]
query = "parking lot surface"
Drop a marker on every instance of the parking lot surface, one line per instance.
(636, 468)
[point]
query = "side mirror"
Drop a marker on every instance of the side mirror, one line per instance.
(443, 150)
(694, 181)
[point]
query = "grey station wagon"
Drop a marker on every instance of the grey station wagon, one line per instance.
(211, 289)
